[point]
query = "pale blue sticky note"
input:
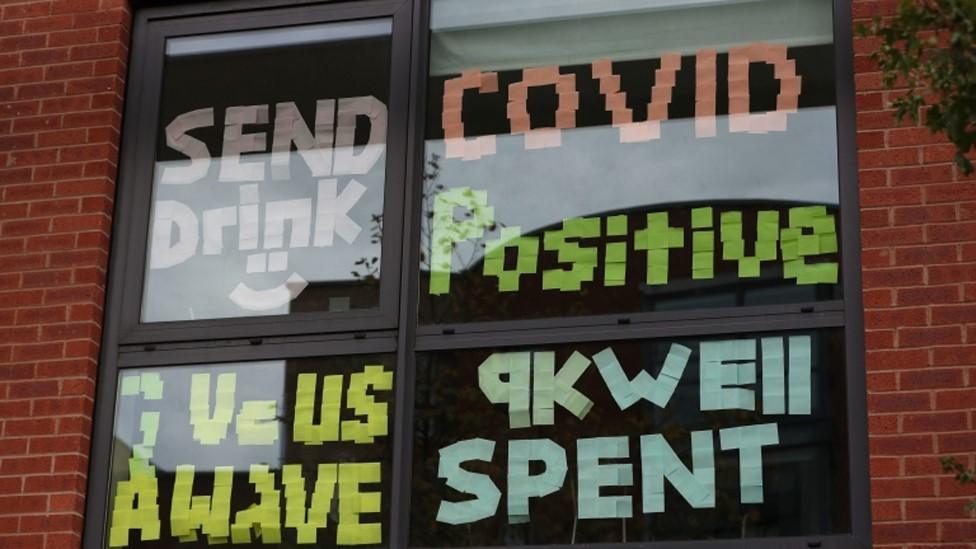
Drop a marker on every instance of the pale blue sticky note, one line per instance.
(773, 376)
(593, 475)
(659, 461)
(550, 387)
(515, 391)
(724, 364)
(660, 390)
(749, 440)
(449, 468)
(626, 392)
(800, 375)
(543, 392)
(522, 485)
(613, 375)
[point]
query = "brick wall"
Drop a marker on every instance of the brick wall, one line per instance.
(61, 68)
(62, 65)
(918, 217)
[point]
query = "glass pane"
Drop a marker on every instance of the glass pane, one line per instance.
(284, 453)
(642, 440)
(269, 174)
(613, 156)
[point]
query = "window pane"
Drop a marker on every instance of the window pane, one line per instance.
(269, 178)
(234, 451)
(621, 156)
(642, 440)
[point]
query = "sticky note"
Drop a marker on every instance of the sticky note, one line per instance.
(617, 225)
(659, 462)
(701, 218)
(365, 405)
(207, 429)
(264, 517)
(749, 440)
(514, 391)
(522, 485)
(136, 505)
(306, 521)
(447, 231)
(304, 429)
(657, 238)
(353, 501)
(773, 376)
(209, 513)
(257, 423)
(583, 259)
(796, 244)
(550, 387)
(733, 244)
(487, 495)
(149, 425)
(724, 364)
(151, 384)
(130, 385)
(626, 392)
(526, 263)
(800, 375)
(592, 475)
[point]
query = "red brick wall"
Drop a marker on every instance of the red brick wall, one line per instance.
(62, 65)
(918, 220)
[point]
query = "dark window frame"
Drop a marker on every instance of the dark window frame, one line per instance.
(128, 344)
(138, 154)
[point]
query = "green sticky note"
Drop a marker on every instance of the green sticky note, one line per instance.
(823, 225)
(768, 229)
(616, 252)
(207, 429)
(617, 225)
(730, 230)
(152, 385)
(749, 267)
(766, 249)
(828, 243)
(527, 258)
(615, 274)
(704, 241)
(808, 244)
(825, 273)
(657, 238)
(354, 501)
(701, 218)
(791, 250)
(702, 267)
(733, 249)
(130, 385)
(446, 231)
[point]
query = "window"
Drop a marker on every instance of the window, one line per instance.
(450, 273)
(251, 233)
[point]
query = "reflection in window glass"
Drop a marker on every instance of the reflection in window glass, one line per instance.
(717, 437)
(628, 156)
(269, 177)
(292, 452)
